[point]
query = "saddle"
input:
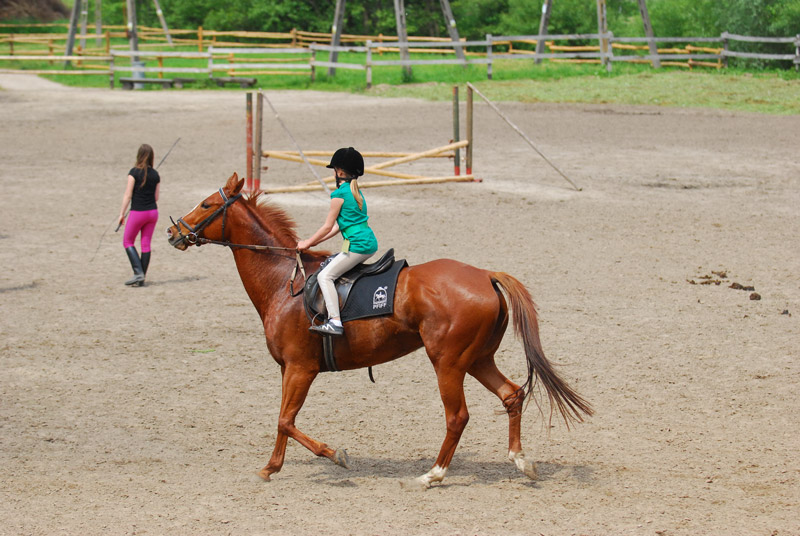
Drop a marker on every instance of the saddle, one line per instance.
(364, 291)
(315, 304)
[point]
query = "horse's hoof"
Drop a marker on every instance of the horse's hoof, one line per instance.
(527, 467)
(263, 475)
(530, 470)
(341, 458)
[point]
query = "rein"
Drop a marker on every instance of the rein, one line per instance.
(192, 238)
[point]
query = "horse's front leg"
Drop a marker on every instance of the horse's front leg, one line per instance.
(296, 383)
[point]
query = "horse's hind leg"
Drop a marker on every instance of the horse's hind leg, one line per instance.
(486, 372)
(451, 389)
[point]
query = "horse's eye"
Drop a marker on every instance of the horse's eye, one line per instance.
(205, 205)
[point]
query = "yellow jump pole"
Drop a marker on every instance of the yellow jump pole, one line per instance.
(375, 184)
(291, 158)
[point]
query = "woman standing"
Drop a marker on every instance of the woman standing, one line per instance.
(348, 214)
(141, 193)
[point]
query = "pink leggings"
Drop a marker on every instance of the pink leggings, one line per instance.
(143, 221)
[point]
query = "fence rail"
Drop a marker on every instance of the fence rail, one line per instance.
(310, 49)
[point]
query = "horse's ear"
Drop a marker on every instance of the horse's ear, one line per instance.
(234, 184)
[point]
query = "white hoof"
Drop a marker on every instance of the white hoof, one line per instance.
(528, 468)
(434, 475)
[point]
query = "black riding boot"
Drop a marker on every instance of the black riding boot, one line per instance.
(145, 261)
(136, 264)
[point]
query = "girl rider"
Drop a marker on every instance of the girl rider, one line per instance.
(348, 214)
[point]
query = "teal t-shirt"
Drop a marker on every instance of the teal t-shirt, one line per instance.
(353, 221)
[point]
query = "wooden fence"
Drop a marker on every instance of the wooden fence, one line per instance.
(200, 37)
(313, 50)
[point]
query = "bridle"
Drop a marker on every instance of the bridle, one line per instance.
(192, 237)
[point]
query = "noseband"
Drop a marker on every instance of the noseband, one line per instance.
(192, 236)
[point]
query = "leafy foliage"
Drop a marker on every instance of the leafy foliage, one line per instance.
(475, 18)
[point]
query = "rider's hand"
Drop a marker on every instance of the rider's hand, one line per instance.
(303, 245)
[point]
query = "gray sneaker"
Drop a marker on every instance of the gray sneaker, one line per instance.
(328, 328)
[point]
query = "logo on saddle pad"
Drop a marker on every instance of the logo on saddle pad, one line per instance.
(380, 298)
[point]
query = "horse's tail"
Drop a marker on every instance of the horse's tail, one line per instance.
(526, 326)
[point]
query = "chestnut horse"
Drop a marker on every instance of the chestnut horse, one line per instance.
(454, 310)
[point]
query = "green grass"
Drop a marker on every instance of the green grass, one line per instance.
(762, 91)
(768, 93)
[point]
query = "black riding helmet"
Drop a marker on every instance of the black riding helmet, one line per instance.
(349, 160)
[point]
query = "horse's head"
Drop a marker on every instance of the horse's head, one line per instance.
(207, 219)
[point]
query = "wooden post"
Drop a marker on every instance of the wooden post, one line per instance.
(257, 150)
(602, 29)
(313, 62)
(73, 25)
(469, 131)
(161, 66)
(84, 19)
(456, 129)
(199, 38)
(725, 49)
(108, 42)
(133, 37)
(796, 59)
(547, 8)
(489, 56)
(336, 38)
(98, 23)
(648, 31)
(249, 148)
(368, 64)
(111, 72)
(163, 22)
(450, 22)
(402, 35)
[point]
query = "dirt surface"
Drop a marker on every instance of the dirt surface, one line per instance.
(149, 410)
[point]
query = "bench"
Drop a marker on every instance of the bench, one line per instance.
(127, 83)
(243, 82)
(180, 82)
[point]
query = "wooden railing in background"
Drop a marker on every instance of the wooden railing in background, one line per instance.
(226, 45)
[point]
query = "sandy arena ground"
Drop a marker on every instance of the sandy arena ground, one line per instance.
(149, 410)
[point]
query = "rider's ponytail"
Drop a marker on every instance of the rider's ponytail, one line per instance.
(357, 193)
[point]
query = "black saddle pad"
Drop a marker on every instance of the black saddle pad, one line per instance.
(362, 292)
(373, 295)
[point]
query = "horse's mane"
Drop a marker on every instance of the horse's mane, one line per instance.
(273, 219)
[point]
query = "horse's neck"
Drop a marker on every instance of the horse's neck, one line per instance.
(265, 274)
